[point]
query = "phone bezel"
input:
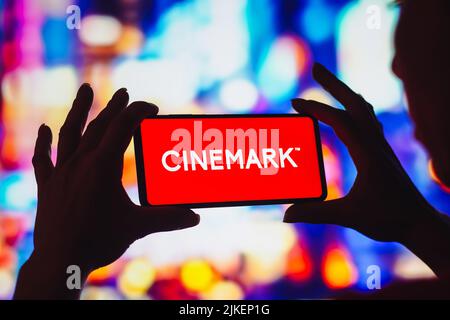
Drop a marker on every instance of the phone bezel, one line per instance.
(141, 172)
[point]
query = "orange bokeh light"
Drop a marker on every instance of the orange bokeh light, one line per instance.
(299, 264)
(337, 270)
(107, 272)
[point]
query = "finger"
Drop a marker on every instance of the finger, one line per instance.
(70, 133)
(328, 212)
(151, 220)
(335, 118)
(42, 161)
(119, 133)
(359, 109)
(341, 124)
(97, 128)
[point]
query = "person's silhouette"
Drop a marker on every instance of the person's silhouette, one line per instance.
(383, 203)
(84, 216)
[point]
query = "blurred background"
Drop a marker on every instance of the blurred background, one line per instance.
(206, 56)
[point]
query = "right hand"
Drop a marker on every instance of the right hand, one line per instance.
(383, 203)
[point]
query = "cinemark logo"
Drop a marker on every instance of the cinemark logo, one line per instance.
(237, 148)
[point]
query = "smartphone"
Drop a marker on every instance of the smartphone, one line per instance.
(228, 160)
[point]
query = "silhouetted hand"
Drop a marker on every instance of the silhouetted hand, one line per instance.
(383, 203)
(84, 215)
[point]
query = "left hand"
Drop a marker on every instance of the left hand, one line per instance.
(84, 216)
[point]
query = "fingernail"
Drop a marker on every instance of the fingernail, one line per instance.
(288, 215)
(191, 220)
(287, 219)
(297, 104)
(320, 68)
(84, 90)
(146, 108)
(318, 65)
(298, 101)
(120, 93)
(41, 127)
(196, 219)
(152, 109)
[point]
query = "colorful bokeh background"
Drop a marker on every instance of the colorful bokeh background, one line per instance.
(206, 56)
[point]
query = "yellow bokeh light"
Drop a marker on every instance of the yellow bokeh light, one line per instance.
(224, 290)
(137, 278)
(99, 293)
(197, 275)
(264, 269)
(6, 283)
(317, 95)
(334, 192)
(130, 40)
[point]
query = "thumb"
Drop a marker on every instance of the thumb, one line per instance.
(328, 212)
(159, 219)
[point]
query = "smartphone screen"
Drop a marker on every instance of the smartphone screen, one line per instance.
(228, 160)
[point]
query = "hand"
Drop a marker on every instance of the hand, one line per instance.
(84, 215)
(383, 203)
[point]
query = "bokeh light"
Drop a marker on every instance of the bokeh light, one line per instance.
(238, 95)
(224, 290)
(6, 283)
(338, 270)
(197, 275)
(100, 30)
(317, 21)
(365, 53)
(279, 75)
(136, 278)
(299, 266)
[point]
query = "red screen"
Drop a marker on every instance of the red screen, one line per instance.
(237, 159)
